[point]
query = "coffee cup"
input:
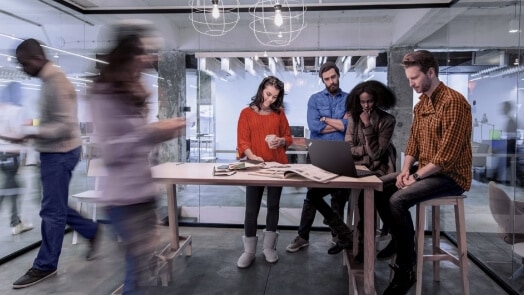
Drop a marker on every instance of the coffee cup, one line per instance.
(269, 139)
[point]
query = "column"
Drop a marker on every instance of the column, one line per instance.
(171, 97)
(403, 110)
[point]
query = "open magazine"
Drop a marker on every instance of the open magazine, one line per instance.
(291, 171)
(223, 170)
(249, 165)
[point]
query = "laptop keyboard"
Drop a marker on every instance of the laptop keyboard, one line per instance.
(362, 173)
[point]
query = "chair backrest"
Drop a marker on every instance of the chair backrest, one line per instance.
(96, 169)
(503, 210)
(483, 150)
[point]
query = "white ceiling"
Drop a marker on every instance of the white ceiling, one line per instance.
(357, 26)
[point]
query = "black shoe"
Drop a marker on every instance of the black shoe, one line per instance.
(31, 277)
(388, 251)
(93, 245)
(337, 248)
(402, 281)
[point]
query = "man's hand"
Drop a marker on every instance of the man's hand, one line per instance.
(403, 179)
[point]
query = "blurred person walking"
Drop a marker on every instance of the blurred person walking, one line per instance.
(58, 140)
(11, 121)
(119, 104)
(263, 134)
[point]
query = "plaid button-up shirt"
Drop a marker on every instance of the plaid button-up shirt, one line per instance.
(441, 134)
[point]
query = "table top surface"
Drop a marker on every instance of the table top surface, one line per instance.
(202, 173)
(11, 148)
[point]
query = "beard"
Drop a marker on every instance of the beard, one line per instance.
(333, 88)
(424, 86)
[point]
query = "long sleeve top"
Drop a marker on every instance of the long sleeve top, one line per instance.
(59, 130)
(323, 104)
(371, 146)
(441, 134)
(252, 130)
(126, 140)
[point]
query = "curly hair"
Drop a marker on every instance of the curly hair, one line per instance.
(258, 99)
(383, 97)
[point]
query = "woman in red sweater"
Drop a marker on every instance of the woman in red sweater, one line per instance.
(264, 116)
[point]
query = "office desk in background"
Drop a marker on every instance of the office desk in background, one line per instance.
(201, 174)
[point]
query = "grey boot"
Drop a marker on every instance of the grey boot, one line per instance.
(270, 246)
(250, 248)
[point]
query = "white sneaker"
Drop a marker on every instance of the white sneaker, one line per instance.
(21, 227)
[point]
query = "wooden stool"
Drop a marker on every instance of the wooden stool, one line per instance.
(438, 253)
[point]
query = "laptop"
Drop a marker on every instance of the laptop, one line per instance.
(335, 157)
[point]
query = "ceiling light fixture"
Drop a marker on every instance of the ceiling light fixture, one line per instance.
(514, 23)
(278, 15)
(277, 23)
(214, 11)
(222, 19)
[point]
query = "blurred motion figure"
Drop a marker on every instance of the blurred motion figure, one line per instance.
(11, 122)
(119, 104)
(57, 138)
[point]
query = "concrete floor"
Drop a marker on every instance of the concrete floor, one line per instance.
(212, 269)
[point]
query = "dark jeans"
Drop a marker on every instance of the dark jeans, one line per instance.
(135, 225)
(253, 202)
(401, 222)
(56, 172)
(315, 197)
(9, 163)
(339, 197)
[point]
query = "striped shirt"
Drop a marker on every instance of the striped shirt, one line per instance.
(252, 130)
(441, 134)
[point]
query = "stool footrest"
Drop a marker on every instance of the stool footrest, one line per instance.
(439, 254)
(440, 257)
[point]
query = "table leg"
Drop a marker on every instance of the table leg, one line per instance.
(369, 242)
(172, 216)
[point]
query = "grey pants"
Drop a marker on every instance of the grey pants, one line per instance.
(10, 189)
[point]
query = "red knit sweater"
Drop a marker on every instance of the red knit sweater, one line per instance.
(252, 130)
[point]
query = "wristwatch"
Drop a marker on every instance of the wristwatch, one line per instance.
(323, 119)
(415, 176)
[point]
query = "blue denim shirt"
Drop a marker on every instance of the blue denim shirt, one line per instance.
(323, 104)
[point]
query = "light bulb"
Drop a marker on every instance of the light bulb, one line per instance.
(215, 12)
(278, 15)
(514, 26)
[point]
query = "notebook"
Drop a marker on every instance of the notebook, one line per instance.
(335, 157)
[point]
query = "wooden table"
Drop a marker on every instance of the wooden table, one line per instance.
(201, 174)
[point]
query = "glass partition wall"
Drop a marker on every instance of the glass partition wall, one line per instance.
(478, 56)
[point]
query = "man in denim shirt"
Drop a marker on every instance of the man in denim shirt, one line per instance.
(327, 120)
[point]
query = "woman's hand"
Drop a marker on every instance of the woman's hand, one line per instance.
(277, 142)
(175, 125)
(364, 117)
(256, 158)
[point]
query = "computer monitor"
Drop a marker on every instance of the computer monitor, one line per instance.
(297, 131)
